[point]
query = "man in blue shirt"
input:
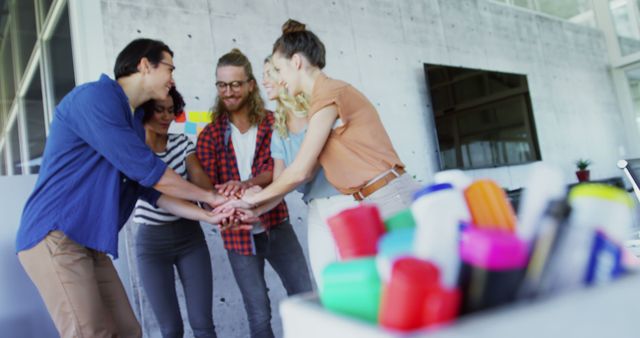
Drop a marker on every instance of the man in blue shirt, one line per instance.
(95, 166)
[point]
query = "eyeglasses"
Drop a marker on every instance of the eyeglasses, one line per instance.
(172, 67)
(234, 85)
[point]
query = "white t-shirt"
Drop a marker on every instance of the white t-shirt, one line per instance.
(244, 145)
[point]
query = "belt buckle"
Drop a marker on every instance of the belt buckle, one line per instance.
(358, 196)
(395, 170)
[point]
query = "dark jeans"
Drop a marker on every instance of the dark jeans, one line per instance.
(281, 248)
(180, 244)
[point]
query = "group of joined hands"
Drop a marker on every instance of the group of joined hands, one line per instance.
(231, 204)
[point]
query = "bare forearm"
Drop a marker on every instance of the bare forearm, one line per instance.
(197, 174)
(262, 180)
(202, 181)
(267, 206)
(173, 185)
(182, 208)
(285, 183)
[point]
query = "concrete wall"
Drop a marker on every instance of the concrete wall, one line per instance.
(380, 47)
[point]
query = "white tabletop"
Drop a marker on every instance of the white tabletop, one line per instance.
(611, 310)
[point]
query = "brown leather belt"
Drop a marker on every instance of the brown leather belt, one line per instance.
(378, 184)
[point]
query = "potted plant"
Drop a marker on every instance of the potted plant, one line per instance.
(582, 173)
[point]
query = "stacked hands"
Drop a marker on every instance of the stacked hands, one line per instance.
(230, 208)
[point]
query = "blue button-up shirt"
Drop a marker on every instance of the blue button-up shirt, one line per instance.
(94, 168)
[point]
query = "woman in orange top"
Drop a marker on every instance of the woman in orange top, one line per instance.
(345, 134)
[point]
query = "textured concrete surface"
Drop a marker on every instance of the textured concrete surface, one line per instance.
(380, 46)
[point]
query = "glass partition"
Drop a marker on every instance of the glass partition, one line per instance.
(34, 113)
(625, 19)
(6, 75)
(61, 58)
(25, 20)
(3, 164)
(576, 11)
(14, 138)
(46, 7)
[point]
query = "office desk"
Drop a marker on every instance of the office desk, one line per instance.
(607, 311)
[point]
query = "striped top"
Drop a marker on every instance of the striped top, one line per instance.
(175, 156)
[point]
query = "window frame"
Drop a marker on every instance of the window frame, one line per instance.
(39, 62)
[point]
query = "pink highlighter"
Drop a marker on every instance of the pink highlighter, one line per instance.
(493, 265)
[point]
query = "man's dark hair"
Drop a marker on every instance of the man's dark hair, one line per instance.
(129, 58)
(178, 105)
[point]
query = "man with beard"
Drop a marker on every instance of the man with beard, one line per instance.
(234, 150)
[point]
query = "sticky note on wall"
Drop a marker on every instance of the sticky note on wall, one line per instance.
(181, 117)
(190, 128)
(199, 117)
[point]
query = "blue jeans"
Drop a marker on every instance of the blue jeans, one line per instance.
(281, 248)
(182, 244)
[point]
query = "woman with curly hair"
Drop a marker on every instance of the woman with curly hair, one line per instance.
(165, 241)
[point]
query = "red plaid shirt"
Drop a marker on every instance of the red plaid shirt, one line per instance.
(216, 154)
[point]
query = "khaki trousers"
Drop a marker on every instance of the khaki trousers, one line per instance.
(80, 288)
